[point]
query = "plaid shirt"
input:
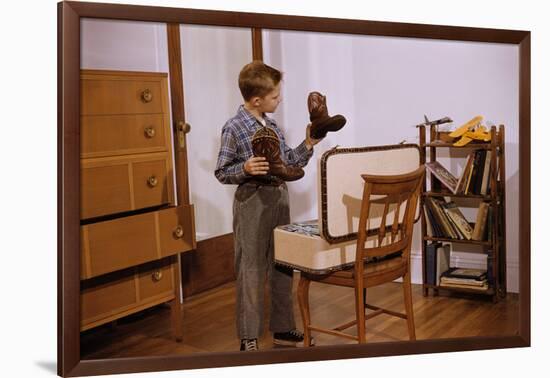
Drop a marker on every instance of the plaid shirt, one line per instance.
(236, 147)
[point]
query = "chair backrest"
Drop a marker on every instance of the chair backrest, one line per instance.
(392, 200)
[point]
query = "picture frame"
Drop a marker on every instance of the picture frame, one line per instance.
(69, 14)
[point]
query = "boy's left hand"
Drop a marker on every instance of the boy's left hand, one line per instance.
(310, 142)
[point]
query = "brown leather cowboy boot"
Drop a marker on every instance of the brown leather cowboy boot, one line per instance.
(321, 123)
(265, 143)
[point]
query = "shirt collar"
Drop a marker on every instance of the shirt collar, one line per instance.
(250, 121)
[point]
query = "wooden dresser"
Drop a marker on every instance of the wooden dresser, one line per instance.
(131, 229)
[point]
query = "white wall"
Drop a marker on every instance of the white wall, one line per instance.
(384, 86)
(212, 59)
(123, 45)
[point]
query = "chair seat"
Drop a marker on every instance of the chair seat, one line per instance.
(379, 267)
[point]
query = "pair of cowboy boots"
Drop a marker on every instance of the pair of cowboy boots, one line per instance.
(265, 143)
(321, 122)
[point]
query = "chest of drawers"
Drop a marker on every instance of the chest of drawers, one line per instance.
(131, 229)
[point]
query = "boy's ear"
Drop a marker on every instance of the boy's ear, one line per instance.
(256, 100)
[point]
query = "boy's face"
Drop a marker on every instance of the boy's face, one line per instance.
(270, 102)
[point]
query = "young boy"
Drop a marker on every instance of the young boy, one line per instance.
(260, 204)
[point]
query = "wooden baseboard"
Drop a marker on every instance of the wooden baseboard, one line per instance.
(210, 265)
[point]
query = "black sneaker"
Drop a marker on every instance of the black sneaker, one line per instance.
(290, 338)
(248, 345)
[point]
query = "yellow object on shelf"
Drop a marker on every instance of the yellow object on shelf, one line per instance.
(466, 127)
(462, 141)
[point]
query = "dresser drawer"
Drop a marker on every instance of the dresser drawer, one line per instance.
(103, 298)
(124, 242)
(123, 134)
(121, 94)
(124, 292)
(115, 185)
(156, 279)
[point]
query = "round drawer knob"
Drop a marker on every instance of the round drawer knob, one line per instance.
(152, 181)
(157, 275)
(178, 232)
(147, 96)
(150, 132)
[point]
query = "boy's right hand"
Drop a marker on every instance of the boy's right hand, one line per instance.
(256, 166)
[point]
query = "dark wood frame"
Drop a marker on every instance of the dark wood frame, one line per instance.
(69, 14)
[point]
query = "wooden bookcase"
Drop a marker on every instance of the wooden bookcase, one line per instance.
(495, 248)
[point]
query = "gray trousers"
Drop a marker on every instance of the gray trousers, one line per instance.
(257, 210)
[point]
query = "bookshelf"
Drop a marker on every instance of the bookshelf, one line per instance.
(494, 246)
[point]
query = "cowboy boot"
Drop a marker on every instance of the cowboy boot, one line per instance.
(321, 123)
(265, 143)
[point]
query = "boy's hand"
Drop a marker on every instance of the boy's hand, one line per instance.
(310, 142)
(256, 166)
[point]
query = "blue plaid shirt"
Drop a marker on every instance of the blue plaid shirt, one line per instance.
(236, 147)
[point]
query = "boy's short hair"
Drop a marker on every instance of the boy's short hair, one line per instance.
(258, 79)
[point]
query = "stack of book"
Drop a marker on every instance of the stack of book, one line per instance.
(475, 177)
(446, 220)
(474, 279)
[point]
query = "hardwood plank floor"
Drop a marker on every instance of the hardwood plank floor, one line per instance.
(209, 321)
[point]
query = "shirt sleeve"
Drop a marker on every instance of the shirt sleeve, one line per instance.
(296, 156)
(229, 169)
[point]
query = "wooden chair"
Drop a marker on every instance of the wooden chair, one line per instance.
(386, 260)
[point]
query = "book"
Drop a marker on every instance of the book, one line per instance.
(455, 215)
(429, 229)
(485, 182)
(463, 179)
(443, 175)
(465, 273)
(475, 172)
(458, 233)
(449, 226)
(483, 287)
(462, 281)
(431, 262)
(443, 261)
(481, 222)
(471, 173)
(480, 168)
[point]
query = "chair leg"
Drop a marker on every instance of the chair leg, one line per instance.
(360, 313)
(409, 305)
(303, 302)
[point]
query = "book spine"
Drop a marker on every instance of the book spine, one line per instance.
(430, 262)
(481, 167)
(447, 224)
(486, 173)
(461, 187)
(469, 175)
(481, 220)
(437, 222)
(453, 222)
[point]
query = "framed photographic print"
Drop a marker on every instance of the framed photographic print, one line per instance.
(146, 278)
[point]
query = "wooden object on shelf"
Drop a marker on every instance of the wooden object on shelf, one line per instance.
(495, 246)
(131, 229)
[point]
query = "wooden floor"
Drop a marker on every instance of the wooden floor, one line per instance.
(209, 321)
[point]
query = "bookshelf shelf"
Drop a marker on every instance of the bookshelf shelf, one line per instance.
(477, 146)
(489, 291)
(464, 241)
(436, 209)
(449, 194)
